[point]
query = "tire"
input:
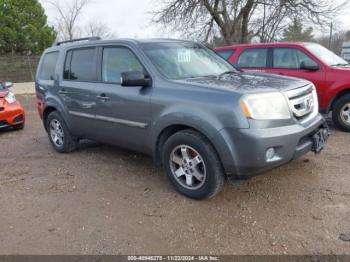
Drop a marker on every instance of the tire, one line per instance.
(341, 113)
(18, 127)
(64, 141)
(192, 165)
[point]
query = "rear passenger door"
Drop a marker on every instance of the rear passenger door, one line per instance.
(253, 59)
(77, 90)
(123, 113)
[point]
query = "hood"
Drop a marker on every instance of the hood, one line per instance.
(342, 68)
(250, 82)
(3, 93)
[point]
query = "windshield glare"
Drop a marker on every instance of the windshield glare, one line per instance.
(185, 60)
(325, 55)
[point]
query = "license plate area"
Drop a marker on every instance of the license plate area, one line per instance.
(319, 139)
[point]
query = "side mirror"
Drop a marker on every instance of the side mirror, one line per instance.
(307, 65)
(7, 84)
(134, 78)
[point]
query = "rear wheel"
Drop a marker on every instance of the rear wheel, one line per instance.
(341, 113)
(59, 135)
(192, 165)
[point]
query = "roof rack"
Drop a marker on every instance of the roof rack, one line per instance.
(93, 38)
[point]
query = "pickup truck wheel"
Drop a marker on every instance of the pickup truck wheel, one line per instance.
(59, 135)
(192, 165)
(341, 113)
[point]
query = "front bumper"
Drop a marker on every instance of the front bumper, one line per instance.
(245, 152)
(12, 115)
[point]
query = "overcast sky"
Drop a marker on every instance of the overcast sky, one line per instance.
(132, 18)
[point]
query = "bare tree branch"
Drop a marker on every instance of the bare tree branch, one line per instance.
(68, 17)
(238, 21)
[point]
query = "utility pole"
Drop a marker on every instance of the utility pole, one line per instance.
(330, 37)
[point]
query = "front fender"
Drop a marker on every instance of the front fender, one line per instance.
(203, 122)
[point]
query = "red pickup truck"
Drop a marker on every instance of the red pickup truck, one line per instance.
(329, 72)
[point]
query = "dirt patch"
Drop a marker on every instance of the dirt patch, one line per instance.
(104, 200)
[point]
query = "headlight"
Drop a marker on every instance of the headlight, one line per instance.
(265, 106)
(10, 98)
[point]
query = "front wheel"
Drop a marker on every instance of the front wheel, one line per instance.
(341, 113)
(192, 165)
(59, 135)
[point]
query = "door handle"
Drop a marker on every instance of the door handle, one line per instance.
(103, 97)
(62, 92)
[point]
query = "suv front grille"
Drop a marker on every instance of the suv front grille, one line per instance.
(303, 102)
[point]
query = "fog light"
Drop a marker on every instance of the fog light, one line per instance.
(270, 154)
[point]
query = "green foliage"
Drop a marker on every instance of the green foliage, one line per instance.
(23, 27)
(296, 32)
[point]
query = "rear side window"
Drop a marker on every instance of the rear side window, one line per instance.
(117, 60)
(225, 54)
(48, 66)
(80, 65)
(253, 57)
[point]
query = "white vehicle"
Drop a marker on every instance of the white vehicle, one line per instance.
(346, 51)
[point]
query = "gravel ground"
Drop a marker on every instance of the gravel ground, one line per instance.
(104, 200)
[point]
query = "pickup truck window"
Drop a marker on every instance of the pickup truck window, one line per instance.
(225, 54)
(185, 60)
(290, 58)
(117, 60)
(253, 57)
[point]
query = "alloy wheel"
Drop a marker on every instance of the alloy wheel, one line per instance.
(56, 133)
(188, 167)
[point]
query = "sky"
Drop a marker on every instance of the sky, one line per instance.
(132, 18)
(125, 18)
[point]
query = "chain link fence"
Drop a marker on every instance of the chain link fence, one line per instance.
(18, 68)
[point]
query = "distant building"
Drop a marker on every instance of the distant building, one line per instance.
(345, 53)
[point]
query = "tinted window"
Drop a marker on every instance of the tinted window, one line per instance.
(80, 65)
(225, 54)
(253, 57)
(117, 60)
(48, 66)
(290, 58)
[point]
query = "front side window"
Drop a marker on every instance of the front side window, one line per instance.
(290, 58)
(48, 66)
(181, 60)
(117, 60)
(253, 57)
(80, 65)
(225, 54)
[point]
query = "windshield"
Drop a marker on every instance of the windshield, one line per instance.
(325, 55)
(185, 60)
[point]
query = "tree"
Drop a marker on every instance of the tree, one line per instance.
(68, 18)
(96, 28)
(23, 27)
(295, 32)
(239, 21)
